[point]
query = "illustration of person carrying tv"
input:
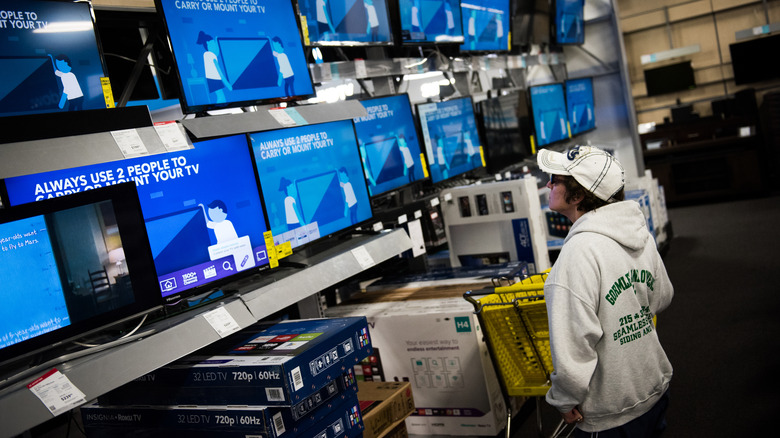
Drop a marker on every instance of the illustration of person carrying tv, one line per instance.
(441, 160)
(215, 78)
(471, 151)
(471, 32)
(407, 154)
(350, 200)
(293, 217)
(450, 17)
(286, 74)
(216, 219)
(416, 16)
(71, 90)
(324, 21)
(363, 155)
(373, 20)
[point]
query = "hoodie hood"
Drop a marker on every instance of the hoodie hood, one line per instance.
(622, 222)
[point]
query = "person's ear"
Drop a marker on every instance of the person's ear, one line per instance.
(576, 199)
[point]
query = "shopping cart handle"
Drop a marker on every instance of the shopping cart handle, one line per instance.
(469, 296)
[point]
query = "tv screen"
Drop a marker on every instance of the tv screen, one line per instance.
(451, 137)
(670, 79)
(70, 266)
(49, 60)
(312, 180)
(346, 22)
(430, 21)
(579, 105)
(548, 107)
(748, 59)
(530, 22)
(485, 25)
(231, 54)
(201, 207)
(569, 21)
(389, 146)
(506, 125)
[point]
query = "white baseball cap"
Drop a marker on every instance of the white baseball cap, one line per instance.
(596, 170)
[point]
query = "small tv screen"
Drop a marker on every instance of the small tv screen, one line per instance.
(232, 54)
(451, 138)
(346, 22)
(312, 181)
(530, 22)
(430, 21)
(748, 59)
(70, 266)
(548, 107)
(580, 107)
(201, 207)
(50, 59)
(485, 25)
(569, 21)
(670, 79)
(506, 126)
(389, 146)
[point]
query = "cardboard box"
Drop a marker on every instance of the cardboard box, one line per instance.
(396, 430)
(383, 404)
(272, 365)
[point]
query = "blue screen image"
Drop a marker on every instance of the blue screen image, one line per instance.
(580, 106)
(389, 146)
(312, 180)
(45, 65)
(33, 299)
(549, 111)
(201, 206)
(451, 138)
(569, 26)
(230, 53)
(430, 21)
(334, 22)
(485, 25)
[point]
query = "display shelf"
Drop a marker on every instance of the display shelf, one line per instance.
(177, 336)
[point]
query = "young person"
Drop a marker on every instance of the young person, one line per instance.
(611, 373)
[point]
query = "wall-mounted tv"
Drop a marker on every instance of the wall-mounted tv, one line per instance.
(429, 21)
(669, 79)
(548, 106)
(451, 138)
(505, 122)
(389, 146)
(485, 25)
(50, 58)
(201, 207)
(569, 21)
(232, 54)
(748, 59)
(58, 273)
(346, 22)
(312, 181)
(580, 106)
(530, 22)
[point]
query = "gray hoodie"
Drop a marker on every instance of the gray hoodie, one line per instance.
(602, 293)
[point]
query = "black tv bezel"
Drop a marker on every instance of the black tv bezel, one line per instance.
(554, 25)
(425, 149)
(395, 23)
(593, 100)
(530, 37)
(749, 74)
(201, 109)
(127, 209)
(508, 30)
(415, 122)
(524, 132)
(538, 146)
(665, 70)
(350, 43)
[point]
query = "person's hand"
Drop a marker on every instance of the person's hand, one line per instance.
(573, 416)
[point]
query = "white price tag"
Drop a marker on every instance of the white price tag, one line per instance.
(416, 235)
(402, 219)
(56, 392)
(418, 214)
(172, 136)
(222, 321)
(360, 69)
(447, 197)
(130, 143)
(282, 117)
(434, 202)
(378, 227)
(363, 257)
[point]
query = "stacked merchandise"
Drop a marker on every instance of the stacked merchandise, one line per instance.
(293, 378)
(384, 406)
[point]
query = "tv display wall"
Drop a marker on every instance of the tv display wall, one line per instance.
(569, 21)
(346, 22)
(430, 21)
(548, 106)
(485, 25)
(580, 105)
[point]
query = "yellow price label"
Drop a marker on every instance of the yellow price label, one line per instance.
(568, 127)
(424, 165)
(284, 250)
(305, 28)
(533, 146)
(105, 83)
(482, 155)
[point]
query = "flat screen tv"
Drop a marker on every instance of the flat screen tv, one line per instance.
(548, 107)
(485, 25)
(233, 54)
(451, 138)
(70, 266)
(429, 21)
(389, 145)
(580, 107)
(749, 59)
(312, 181)
(569, 22)
(670, 79)
(201, 207)
(530, 22)
(345, 22)
(505, 122)
(50, 58)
